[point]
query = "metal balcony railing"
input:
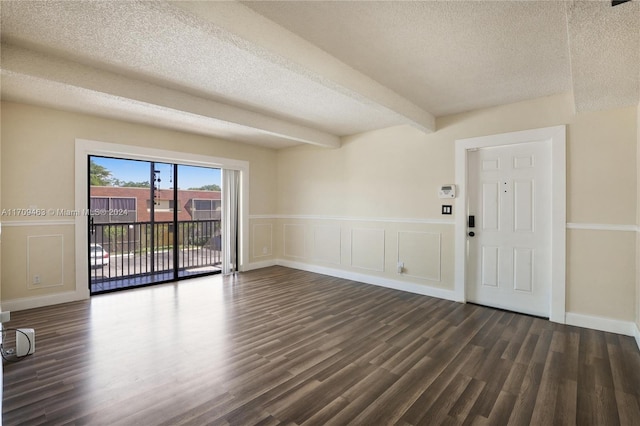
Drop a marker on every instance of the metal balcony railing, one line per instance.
(141, 250)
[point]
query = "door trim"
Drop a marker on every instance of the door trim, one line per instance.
(557, 136)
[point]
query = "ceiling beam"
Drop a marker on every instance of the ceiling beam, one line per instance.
(136, 98)
(278, 45)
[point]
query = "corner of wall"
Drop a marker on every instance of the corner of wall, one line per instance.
(1, 369)
(0, 209)
(637, 328)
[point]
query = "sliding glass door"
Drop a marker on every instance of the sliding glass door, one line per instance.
(200, 230)
(151, 222)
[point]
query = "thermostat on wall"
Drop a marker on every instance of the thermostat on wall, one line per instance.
(447, 191)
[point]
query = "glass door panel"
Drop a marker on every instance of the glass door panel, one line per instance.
(117, 190)
(199, 230)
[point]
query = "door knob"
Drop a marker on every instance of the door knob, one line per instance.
(472, 234)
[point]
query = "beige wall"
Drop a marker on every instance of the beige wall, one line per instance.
(601, 189)
(38, 170)
(386, 180)
(601, 169)
(638, 224)
(599, 268)
(0, 216)
(363, 207)
(45, 137)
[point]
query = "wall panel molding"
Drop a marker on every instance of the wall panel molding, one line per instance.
(569, 225)
(421, 252)
(356, 219)
(294, 240)
(258, 249)
(22, 223)
(368, 248)
(327, 244)
(603, 227)
(45, 261)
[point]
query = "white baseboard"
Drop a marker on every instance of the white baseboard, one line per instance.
(259, 265)
(1, 379)
(23, 303)
(369, 279)
(626, 328)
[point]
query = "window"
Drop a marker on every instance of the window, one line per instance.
(122, 209)
(202, 209)
(113, 209)
(97, 205)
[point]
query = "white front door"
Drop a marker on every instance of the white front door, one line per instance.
(509, 249)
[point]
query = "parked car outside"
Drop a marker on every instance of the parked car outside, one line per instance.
(99, 256)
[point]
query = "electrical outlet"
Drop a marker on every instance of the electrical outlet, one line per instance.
(36, 279)
(265, 250)
(400, 267)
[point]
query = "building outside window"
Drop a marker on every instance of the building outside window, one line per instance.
(113, 209)
(202, 209)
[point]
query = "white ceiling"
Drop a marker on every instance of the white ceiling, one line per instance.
(446, 57)
(278, 74)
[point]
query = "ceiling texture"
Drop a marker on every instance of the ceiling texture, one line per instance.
(279, 74)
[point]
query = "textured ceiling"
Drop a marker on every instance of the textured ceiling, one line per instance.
(605, 60)
(447, 57)
(283, 73)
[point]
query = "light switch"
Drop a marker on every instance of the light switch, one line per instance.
(446, 209)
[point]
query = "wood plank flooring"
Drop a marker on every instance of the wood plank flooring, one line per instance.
(280, 346)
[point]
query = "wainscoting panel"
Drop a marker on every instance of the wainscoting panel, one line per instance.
(367, 249)
(45, 267)
(326, 244)
(294, 240)
(262, 240)
(421, 254)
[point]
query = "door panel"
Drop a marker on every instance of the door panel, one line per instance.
(523, 269)
(523, 205)
(509, 257)
(490, 206)
(490, 266)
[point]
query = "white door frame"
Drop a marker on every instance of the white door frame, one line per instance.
(84, 148)
(557, 136)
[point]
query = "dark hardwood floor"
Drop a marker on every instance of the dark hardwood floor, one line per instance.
(280, 346)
